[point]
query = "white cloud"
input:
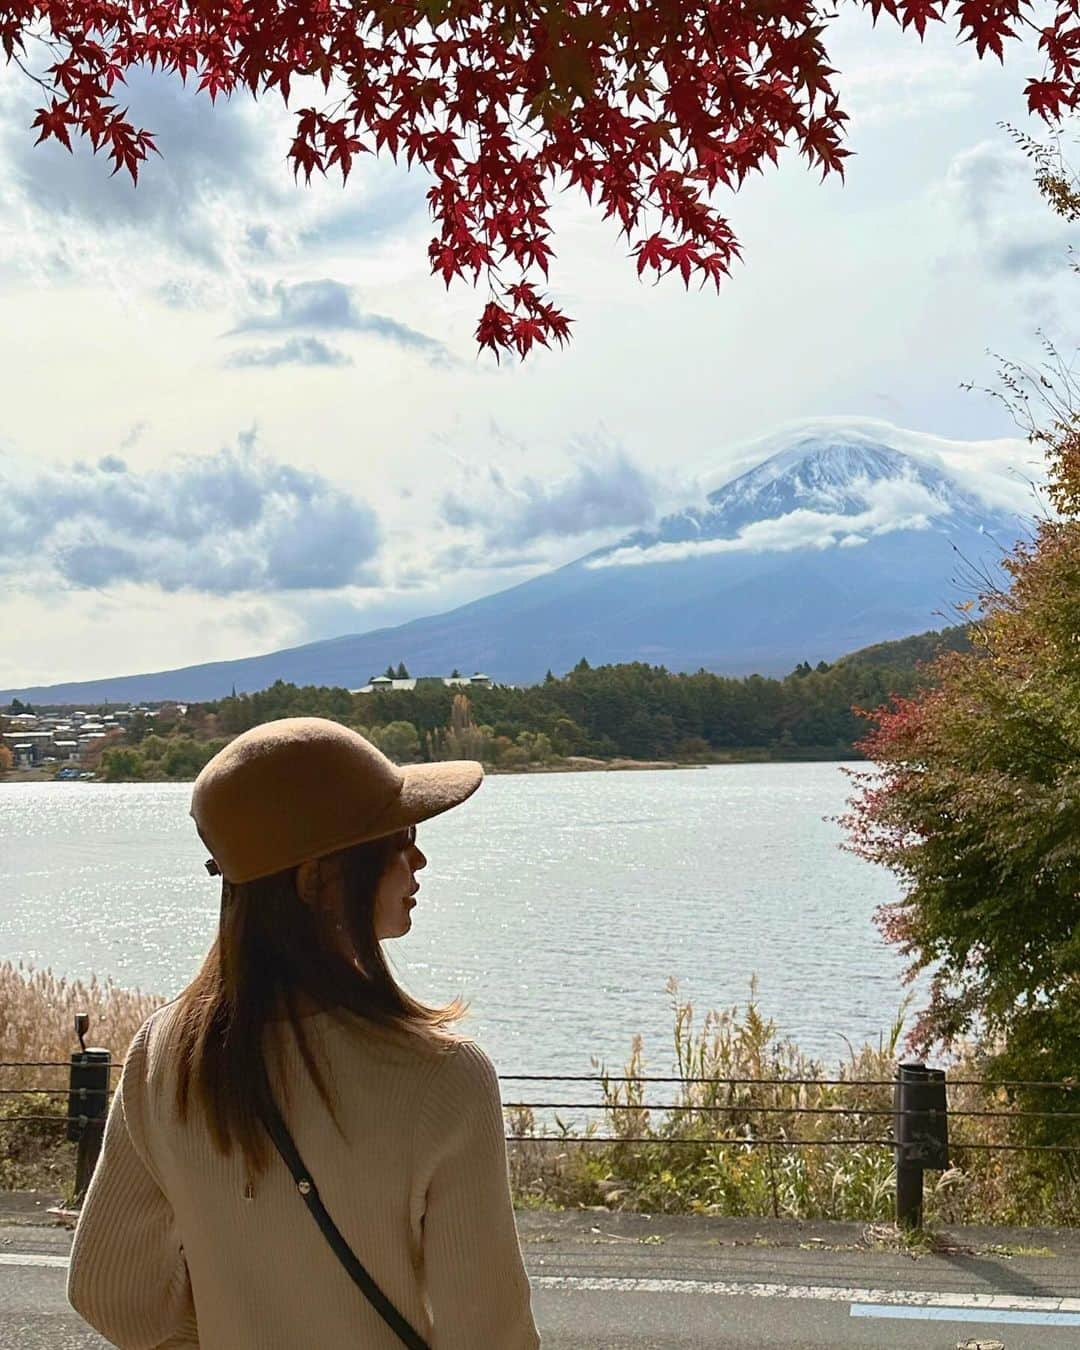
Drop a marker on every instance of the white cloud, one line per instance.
(217, 523)
(892, 504)
(604, 490)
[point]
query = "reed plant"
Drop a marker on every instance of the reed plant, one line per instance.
(695, 1146)
(749, 1132)
(37, 1037)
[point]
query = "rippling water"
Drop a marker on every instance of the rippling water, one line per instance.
(557, 904)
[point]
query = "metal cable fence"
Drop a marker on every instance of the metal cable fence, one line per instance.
(909, 1114)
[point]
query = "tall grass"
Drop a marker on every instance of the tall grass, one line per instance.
(701, 1153)
(37, 1025)
(699, 1159)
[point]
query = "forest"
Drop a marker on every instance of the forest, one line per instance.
(604, 713)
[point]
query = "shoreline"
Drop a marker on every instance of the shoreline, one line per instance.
(572, 764)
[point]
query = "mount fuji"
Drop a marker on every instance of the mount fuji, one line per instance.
(844, 533)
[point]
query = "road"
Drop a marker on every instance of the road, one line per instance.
(627, 1282)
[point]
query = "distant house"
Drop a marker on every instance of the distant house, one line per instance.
(28, 747)
(477, 681)
(384, 682)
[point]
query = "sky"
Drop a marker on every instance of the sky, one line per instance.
(239, 414)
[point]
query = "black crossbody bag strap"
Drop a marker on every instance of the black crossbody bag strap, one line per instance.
(283, 1142)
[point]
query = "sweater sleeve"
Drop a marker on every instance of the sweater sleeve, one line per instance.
(128, 1277)
(474, 1274)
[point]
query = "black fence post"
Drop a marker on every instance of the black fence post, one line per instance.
(88, 1105)
(921, 1132)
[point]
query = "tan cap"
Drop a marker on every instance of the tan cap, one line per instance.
(301, 787)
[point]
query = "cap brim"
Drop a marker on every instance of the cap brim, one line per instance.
(431, 789)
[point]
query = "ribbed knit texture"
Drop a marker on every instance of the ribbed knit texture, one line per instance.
(170, 1254)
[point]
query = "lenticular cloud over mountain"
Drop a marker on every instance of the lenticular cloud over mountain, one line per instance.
(838, 483)
(836, 534)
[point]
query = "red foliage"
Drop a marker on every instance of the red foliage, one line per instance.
(647, 105)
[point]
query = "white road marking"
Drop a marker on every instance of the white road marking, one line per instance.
(1001, 1316)
(813, 1292)
(928, 1303)
(32, 1259)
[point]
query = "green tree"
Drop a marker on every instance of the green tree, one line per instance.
(536, 745)
(120, 764)
(566, 736)
(398, 740)
(402, 672)
(137, 729)
(153, 747)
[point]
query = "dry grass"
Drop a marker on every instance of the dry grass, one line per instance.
(37, 1016)
(680, 1169)
(683, 1169)
(37, 1025)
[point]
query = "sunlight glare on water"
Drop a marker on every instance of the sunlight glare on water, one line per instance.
(557, 904)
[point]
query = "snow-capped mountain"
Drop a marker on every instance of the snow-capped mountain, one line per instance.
(834, 482)
(845, 533)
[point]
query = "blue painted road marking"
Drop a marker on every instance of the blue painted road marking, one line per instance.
(990, 1316)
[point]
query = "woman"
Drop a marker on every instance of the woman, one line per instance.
(193, 1231)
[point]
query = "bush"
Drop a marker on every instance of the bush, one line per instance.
(183, 757)
(698, 1154)
(120, 763)
(399, 740)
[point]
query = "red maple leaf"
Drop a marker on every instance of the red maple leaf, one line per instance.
(649, 109)
(54, 121)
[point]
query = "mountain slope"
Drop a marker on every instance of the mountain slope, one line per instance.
(842, 538)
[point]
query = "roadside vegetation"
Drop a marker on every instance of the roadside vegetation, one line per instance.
(37, 1021)
(683, 1169)
(696, 1159)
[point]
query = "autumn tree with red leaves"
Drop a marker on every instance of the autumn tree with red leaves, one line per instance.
(974, 801)
(650, 107)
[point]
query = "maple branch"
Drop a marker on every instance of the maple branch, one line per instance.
(648, 105)
(50, 89)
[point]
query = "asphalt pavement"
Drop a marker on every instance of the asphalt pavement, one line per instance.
(630, 1282)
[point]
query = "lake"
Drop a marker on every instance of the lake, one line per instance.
(557, 904)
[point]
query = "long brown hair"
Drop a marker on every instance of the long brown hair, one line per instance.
(270, 949)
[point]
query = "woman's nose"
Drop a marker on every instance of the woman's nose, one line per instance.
(418, 859)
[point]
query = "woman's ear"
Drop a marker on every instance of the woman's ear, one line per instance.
(307, 881)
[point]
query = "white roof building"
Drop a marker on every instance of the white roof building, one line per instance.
(385, 682)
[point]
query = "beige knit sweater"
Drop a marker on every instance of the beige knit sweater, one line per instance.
(175, 1250)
